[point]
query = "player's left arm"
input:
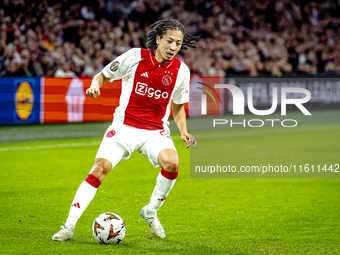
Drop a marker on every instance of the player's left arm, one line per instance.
(181, 122)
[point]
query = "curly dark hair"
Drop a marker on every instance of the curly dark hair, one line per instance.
(161, 27)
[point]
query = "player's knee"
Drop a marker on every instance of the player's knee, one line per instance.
(170, 163)
(173, 166)
(101, 168)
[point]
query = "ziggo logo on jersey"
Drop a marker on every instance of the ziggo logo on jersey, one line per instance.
(142, 89)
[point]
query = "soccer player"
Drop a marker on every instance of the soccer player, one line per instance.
(151, 79)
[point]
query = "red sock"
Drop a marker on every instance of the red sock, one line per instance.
(93, 180)
(169, 175)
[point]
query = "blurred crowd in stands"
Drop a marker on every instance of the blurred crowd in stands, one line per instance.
(65, 38)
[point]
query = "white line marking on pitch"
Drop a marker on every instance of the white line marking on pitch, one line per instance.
(49, 146)
(212, 135)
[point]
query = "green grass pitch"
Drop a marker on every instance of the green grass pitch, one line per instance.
(200, 216)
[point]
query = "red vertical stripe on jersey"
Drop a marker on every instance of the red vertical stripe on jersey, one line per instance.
(152, 88)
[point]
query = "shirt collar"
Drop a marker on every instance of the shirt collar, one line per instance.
(155, 62)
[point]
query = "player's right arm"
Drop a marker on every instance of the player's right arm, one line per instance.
(97, 82)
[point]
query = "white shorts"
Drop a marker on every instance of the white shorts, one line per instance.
(121, 140)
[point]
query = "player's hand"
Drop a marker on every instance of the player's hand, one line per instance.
(93, 91)
(190, 140)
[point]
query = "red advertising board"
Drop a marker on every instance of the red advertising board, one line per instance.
(64, 100)
(215, 99)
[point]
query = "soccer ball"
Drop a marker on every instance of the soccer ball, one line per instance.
(109, 228)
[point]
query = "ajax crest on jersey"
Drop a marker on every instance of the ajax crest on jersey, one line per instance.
(166, 80)
(109, 228)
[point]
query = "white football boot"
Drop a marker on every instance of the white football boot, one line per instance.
(66, 233)
(151, 218)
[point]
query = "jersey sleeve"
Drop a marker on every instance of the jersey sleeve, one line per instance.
(119, 67)
(181, 95)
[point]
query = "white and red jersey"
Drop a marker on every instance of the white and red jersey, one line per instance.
(148, 88)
